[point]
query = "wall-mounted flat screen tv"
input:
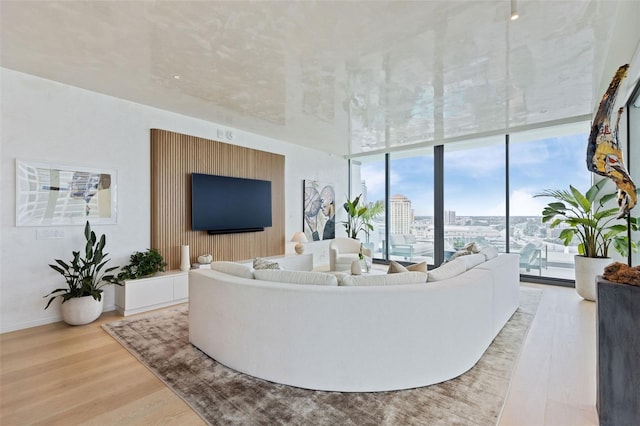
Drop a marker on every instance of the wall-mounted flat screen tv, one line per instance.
(223, 204)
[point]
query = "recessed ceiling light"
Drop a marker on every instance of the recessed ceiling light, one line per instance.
(177, 77)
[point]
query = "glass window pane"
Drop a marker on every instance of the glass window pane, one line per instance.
(411, 206)
(550, 158)
(368, 179)
(474, 194)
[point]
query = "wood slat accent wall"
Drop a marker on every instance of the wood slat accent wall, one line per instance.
(174, 157)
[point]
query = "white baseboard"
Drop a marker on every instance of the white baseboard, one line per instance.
(6, 328)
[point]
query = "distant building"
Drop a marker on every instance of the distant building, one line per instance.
(363, 191)
(401, 214)
(449, 217)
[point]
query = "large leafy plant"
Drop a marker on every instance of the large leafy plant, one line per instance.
(142, 264)
(360, 216)
(85, 275)
(587, 219)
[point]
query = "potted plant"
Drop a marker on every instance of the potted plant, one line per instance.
(360, 216)
(142, 264)
(595, 226)
(82, 301)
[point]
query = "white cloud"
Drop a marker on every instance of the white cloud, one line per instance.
(477, 162)
(522, 203)
(375, 179)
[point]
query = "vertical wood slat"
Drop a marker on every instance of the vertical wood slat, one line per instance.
(174, 157)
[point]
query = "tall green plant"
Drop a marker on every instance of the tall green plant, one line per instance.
(360, 216)
(84, 274)
(355, 222)
(587, 219)
(374, 209)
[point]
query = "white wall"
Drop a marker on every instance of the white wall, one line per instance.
(42, 120)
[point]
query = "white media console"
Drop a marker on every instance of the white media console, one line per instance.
(172, 287)
(158, 291)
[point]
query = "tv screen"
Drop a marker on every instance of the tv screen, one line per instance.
(223, 204)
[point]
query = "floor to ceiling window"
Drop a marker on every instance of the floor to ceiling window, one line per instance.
(474, 181)
(368, 179)
(474, 194)
(549, 158)
(411, 206)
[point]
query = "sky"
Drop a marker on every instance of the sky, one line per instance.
(474, 181)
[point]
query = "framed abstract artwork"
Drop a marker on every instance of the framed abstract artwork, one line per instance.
(319, 222)
(54, 195)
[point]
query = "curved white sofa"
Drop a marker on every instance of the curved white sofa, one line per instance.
(352, 339)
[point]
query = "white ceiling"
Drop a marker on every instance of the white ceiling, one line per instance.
(344, 77)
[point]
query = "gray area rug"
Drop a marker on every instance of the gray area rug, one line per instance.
(222, 396)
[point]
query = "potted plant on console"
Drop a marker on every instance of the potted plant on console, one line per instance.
(143, 288)
(595, 226)
(82, 300)
(142, 265)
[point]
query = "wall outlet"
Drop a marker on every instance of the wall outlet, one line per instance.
(49, 234)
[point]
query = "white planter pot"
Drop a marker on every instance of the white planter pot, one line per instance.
(81, 310)
(587, 268)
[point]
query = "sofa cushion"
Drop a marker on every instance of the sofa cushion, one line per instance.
(260, 263)
(385, 279)
(448, 270)
(233, 268)
(340, 276)
(347, 257)
(295, 277)
(489, 252)
(473, 260)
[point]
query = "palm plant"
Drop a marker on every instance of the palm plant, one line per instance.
(360, 216)
(588, 220)
(85, 275)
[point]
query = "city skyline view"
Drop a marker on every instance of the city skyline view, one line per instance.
(474, 179)
(474, 190)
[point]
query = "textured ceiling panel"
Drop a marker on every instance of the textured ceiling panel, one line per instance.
(345, 77)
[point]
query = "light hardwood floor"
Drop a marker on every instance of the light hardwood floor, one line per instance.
(57, 374)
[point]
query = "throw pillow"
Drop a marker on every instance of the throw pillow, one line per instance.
(395, 267)
(233, 268)
(296, 277)
(447, 270)
(417, 267)
(472, 247)
(260, 263)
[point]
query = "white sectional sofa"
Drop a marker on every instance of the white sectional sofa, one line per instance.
(355, 337)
